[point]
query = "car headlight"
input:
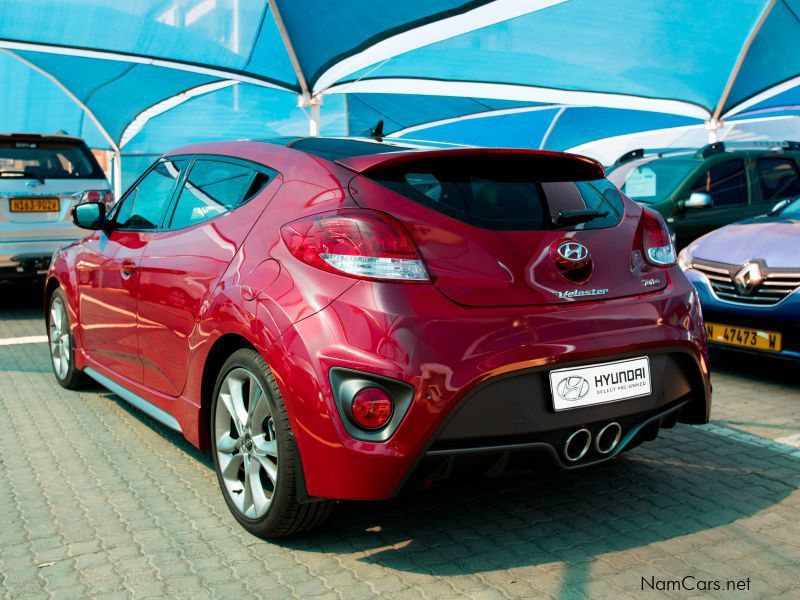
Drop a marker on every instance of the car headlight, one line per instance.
(685, 259)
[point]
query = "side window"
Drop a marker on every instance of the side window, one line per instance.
(145, 205)
(726, 182)
(213, 188)
(778, 179)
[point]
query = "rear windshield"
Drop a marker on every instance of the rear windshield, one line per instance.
(503, 194)
(652, 180)
(34, 159)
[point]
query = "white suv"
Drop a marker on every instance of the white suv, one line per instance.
(42, 177)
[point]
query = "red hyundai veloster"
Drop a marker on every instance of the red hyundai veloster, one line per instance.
(333, 316)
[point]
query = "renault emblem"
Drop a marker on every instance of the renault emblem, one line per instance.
(748, 278)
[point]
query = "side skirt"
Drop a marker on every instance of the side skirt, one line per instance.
(143, 405)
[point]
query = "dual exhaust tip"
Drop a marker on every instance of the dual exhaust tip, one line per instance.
(579, 442)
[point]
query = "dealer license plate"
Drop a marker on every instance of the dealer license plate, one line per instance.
(598, 384)
(744, 337)
(34, 205)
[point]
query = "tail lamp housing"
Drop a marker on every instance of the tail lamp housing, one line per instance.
(357, 243)
(104, 196)
(658, 246)
(370, 407)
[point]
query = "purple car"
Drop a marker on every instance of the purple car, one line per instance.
(748, 278)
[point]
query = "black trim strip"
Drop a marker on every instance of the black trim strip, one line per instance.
(632, 432)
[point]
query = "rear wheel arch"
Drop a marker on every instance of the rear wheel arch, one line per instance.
(50, 287)
(222, 349)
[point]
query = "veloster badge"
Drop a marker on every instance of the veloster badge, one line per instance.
(578, 293)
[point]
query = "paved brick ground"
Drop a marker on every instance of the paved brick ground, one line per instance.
(98, 500)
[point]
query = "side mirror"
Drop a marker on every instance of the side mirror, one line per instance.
(89, 215)
(780, 206)
(698, 200)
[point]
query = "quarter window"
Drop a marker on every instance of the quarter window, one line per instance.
(213, 188)
(778, 179)
(725, 182)
(145, 205)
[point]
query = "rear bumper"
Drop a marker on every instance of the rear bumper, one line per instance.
(25, 258)
(548, 447)
(477, 374)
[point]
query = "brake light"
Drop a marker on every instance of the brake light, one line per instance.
(104, 196)
(658, 246)
(361, 244)
(372, 408)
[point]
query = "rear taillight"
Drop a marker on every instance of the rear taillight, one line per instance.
(358, 243)
(104, 196)
(658, 247)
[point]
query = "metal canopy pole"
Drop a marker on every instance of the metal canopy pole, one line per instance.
(306, 99)
(714, 124)
(552, 126)
(116, 180)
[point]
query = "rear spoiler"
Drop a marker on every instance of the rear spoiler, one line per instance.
(585, 168)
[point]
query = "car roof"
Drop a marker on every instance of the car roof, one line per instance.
(337, 148)
(45, 137)
(354, 153)
(707, 152)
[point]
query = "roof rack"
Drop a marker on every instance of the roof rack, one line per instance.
(642, 152)
(717, 147)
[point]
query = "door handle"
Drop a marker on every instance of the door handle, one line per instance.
(127, 269)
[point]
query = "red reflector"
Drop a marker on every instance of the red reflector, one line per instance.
(372, 408)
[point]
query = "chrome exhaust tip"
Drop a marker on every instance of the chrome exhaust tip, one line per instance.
(577, 445)
(608, 438)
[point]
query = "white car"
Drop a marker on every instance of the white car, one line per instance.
(42, 177)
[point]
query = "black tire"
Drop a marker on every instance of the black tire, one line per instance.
(285, 514)
(70, 378)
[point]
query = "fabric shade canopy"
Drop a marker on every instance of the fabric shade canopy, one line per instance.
(129, 65)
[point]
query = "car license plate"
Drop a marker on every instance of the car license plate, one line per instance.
(744, 337)
(598, 384)
(34, 205)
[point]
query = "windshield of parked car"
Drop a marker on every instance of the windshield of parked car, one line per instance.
(34, 159)
(792, 210)
(651, 180)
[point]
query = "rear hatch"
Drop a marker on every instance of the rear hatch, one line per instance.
(40, 180)
(493, 226)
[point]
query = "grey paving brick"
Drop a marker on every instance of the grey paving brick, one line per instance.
(98, 500)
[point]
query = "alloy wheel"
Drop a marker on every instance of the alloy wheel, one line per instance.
(246, 446)
(60, 340)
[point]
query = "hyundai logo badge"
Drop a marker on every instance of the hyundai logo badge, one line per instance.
(572, 251)
(573, 387)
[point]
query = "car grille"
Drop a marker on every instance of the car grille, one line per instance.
(777, 283)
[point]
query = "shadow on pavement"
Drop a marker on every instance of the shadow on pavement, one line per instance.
(765, 369)
(687, 481)
(21, 300)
